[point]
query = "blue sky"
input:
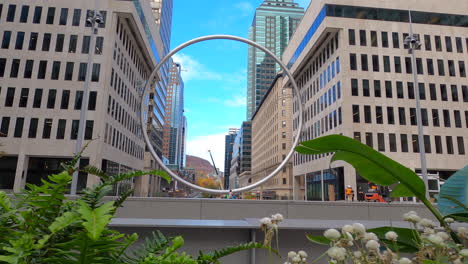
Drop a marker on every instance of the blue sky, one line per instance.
(214, 71)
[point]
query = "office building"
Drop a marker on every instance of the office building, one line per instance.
(273, 25)
(43, 63)
(228, 147)
(356, 78)
(271, 142)
(241, 155)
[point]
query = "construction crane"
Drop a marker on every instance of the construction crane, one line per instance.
(216, 170)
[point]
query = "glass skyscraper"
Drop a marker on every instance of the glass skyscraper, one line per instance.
(228, 148)
(273, 25)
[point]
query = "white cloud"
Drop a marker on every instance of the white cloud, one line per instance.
(199, 146)
(194, 70)
(237, 101)
(246, 8)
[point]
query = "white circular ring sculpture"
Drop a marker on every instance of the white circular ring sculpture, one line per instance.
(177, 177)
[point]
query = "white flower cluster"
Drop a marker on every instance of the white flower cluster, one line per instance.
(272, 221)
(297, 258)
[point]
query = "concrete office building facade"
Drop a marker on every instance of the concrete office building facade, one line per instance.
(271, 141)
(355, 76)
(43, 64)
(273, 25)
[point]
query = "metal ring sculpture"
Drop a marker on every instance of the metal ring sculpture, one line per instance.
(153, 75)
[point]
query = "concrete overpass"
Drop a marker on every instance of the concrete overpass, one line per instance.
(209, 224)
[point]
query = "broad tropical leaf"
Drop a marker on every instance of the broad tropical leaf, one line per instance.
(453, 197)
(371, 164)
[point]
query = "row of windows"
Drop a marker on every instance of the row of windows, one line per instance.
(19, 131)
(402, 117)
(363, 87)
(119, 114)
(60, 42)
(26, 99)
(322, 126)
(123, 90)
(451, 65)
(23, 15)
(428, 40)
(58, 68)
(116, 139)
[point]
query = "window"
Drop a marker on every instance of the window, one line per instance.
(399, 89)
(96, 72)
(381, 141)
(449, 141)
(373, 38)
(432, 91)
(37, 15)
(427, 42)
(461, 146)
(422, 91)
(11, 13)
(413, 116)
(430, 66)
(76, 17)
(386, 60)
(33, 127)
(440, 66)
(72, 43)
(461, 67)
(402, 116)
(375, 63)
(19, 40)
(410, 90)
(62, 123)
(451, 68)
(82, 72)
(457, 116)
(362, 37)
(37, 98)
(397, 64)
(353, 61)
(390, 115)
(2, 66)
(6, 39)
(92, 101)
(19, 127)
(357, 136)
(69, 71)
(378, 114)
(46, 42)
(369, 140)
(443, 92)
(392, 141)
(5, 126)
(50, 15)
(385, 39)
(458, 42)
(438, 144)
(465, 93)
(435, 118)
(419, 66)
(89, 130)
(356, 118)
(99, 45)
(78, 100)
(415, 141)
(14, 68)
(446, 117)
(47, 128)
(396, 40)
(365, 88)
(454, 90)
(10, 97)
(28, 69)
(367, 114)
(354, 87)
(74, 129)
(438, 43)
(427, 144)
(24, 14)
(42, 70)
(55, 70)
(86, 43)
(424, 117)
(63, 16)
(33, 41)
(364, 62)
(448, 44)
(377, 89)
(51, 98)
(59, 43)
(65, 99)
(408, 65)
(23, 102)
(388, 89)
(352, 37)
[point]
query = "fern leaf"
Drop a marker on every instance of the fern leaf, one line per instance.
(96, 171)
(63, 221)
(96, 220)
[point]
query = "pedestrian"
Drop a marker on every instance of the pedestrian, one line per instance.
(349, 193)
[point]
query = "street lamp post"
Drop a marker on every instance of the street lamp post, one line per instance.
(413, 43)
(94, 18)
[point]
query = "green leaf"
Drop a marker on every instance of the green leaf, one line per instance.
(407, 242)
(63, 221)
(96, 220)
(384, 171)
(131, 175)
(5, 202)
(453, 197)
(321, 240)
